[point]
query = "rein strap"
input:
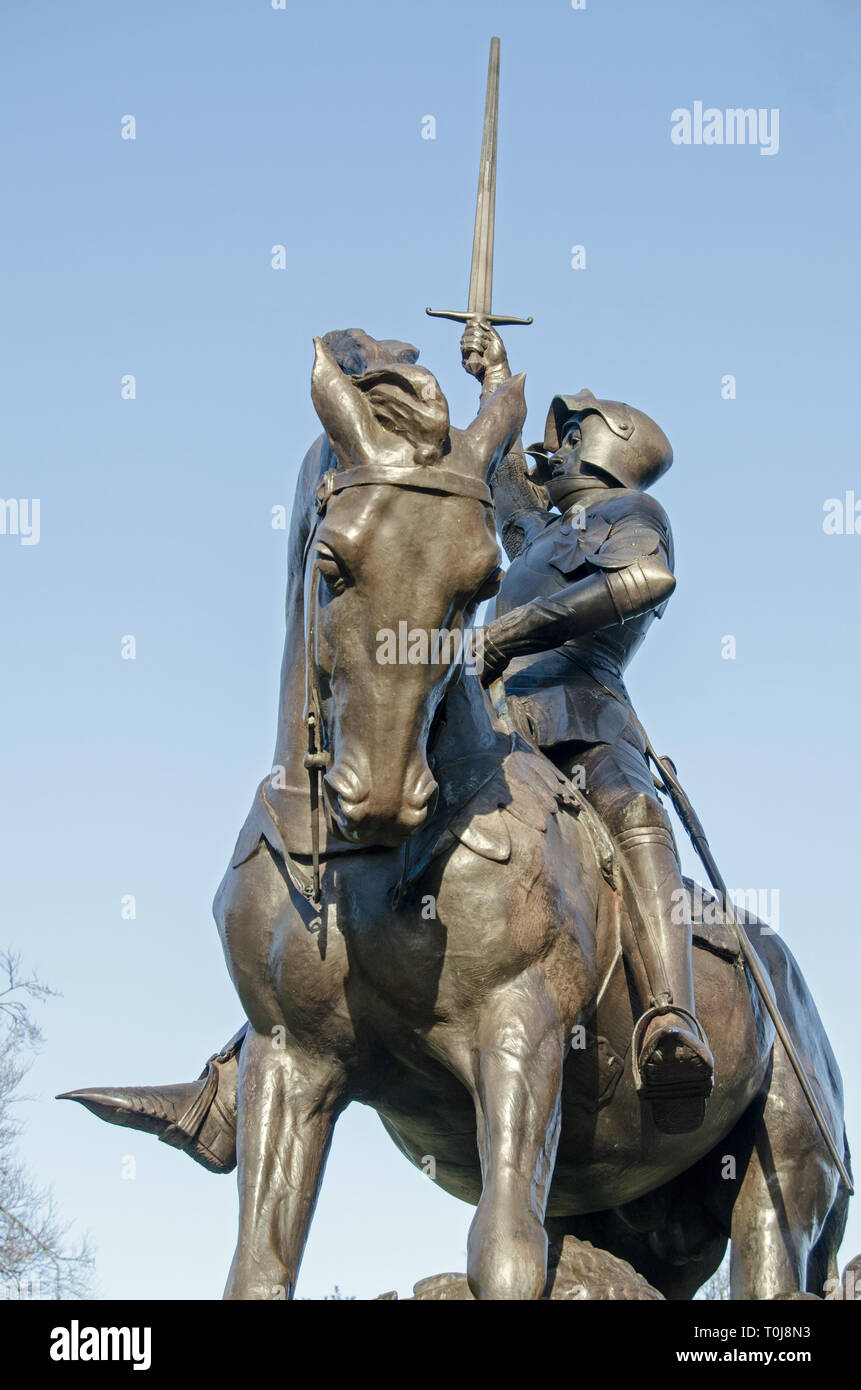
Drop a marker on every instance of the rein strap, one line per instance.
(420, 478)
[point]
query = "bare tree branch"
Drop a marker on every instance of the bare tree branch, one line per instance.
(35, 1258)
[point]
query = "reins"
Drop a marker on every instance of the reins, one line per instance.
(420, 478)
(317, 758)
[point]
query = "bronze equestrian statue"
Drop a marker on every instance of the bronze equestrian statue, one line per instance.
(483, 946)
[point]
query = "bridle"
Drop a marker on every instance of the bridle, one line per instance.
(419, 478)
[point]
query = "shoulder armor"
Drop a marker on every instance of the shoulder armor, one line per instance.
(622, 504)
(638, 527)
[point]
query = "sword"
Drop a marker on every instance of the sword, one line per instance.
(666, 780)
(479, 302)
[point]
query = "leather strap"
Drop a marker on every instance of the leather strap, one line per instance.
(420, 478)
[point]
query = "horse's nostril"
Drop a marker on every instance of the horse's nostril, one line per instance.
(345, 782)
(421, 795)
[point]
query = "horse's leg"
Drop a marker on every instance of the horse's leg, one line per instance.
(786, 1191)
(675, 1236)
(288, 1105)
(516, 1079)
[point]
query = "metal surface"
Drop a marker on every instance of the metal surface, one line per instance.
(546, 1030)
(481, 271)
(480, 298)
(622, 442)
(436, 1019)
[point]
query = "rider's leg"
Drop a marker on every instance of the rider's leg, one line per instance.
(198, 1117)
(673, 1064)
(648, 851)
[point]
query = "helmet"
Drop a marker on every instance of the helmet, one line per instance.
(616, 438)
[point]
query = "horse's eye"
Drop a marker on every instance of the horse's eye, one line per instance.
(331, 572)
(491, 584)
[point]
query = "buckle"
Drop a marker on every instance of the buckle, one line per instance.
(325, 488)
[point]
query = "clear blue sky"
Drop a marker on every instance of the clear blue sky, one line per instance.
(303, 127)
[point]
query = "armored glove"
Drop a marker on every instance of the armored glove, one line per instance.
(494, 659)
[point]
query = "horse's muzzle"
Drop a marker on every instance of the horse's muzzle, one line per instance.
(372, 814)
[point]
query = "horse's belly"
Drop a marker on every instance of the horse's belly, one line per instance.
(610, 1152)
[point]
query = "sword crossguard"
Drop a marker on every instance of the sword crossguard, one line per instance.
(471, 316)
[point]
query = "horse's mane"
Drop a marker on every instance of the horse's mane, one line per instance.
(318, 460)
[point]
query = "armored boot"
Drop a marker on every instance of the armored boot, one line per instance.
(671, 1059)
(198, 1117)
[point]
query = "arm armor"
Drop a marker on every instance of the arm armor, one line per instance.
(515, 495)
(497, 424)
(598, 601)
(513, 490)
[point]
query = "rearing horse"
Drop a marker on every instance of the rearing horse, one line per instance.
(461, 972)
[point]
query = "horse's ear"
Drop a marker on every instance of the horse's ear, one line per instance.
(344, 412)
(496, 426)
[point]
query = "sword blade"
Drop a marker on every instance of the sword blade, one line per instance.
(481, 271)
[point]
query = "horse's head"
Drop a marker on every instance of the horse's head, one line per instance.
(403, 551)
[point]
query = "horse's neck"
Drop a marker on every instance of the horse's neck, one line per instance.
(471, 730)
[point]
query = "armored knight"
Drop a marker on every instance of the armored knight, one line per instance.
(588, 576)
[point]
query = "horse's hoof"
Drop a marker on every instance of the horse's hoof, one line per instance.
(507, 1258)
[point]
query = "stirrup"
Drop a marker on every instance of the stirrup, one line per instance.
(697, 1089)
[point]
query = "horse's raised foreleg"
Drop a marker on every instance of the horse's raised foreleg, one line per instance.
(288, 1105)
(517, 1078)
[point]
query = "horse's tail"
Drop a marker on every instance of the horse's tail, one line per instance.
(823, 1271)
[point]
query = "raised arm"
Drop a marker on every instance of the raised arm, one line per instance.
(514, 493)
